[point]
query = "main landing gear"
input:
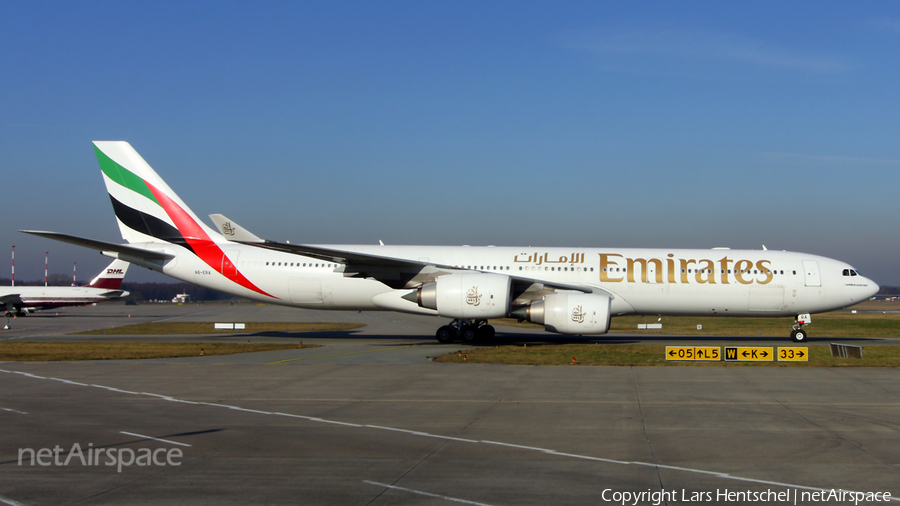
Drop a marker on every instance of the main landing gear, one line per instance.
(798, 335)
(469, 331)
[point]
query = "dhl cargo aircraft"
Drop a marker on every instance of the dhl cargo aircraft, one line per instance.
(21, 300)
(567, 290)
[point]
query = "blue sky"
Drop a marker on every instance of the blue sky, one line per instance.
(609, 124)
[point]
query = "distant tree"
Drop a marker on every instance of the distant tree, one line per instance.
(62, 280)
(52, 280)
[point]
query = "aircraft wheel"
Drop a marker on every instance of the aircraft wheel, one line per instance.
(469, 335)
(799, 336)
(486, 332)
(445, 334)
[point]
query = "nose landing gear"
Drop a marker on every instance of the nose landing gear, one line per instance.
(469, 331)
(798, 335)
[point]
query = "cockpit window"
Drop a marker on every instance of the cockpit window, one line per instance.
(850, 272)
(853, 273)
(846, 272)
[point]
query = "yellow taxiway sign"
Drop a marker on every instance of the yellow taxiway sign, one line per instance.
(756, 354)
(693, 353)
(788, 354)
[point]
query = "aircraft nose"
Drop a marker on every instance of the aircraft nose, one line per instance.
(874, 286)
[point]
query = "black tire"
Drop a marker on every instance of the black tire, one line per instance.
(486, 332)
(799, 336)
(469, 335)
(445, 334)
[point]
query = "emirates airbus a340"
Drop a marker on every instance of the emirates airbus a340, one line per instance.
(571, 291)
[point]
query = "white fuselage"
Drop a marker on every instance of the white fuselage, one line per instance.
(640, 281)
(46, 297)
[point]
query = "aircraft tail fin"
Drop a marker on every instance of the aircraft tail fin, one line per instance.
(146, 208)
(148, 211)
(111, 277)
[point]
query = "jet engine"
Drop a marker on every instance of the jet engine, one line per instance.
(569, 313)
(468, 296)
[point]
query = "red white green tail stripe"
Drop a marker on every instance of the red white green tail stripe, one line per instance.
(149, 211)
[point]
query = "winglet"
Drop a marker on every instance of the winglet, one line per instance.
(232, 231)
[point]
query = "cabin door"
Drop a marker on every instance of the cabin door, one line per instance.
(811, 271)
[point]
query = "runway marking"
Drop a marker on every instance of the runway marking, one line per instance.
(333, 422)
(338, 354)
(424, 434)
(547, 451)
(70, 382)
(427, 494)
(10, 502)
(236, 408)
(314, 419)
(154, 438)
(111, 389)
(166, 397)
(13, 411)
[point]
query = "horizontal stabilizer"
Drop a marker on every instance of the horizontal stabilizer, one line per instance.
(10, 299)
(102, 246)
(112, 294)
(232, 231)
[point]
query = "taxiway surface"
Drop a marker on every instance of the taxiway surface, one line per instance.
(369, 419)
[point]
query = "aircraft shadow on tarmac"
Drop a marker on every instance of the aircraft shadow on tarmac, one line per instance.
(513, 338)
(771, 340)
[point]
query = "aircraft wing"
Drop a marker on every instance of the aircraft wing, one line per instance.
(11, 299)
(236, 233)
(102, 246)
(395, 272)
(344, 257)
(530, 289)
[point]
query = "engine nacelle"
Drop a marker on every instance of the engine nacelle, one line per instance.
(469, 296)
(570, 313)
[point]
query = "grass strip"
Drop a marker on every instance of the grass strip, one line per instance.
(163, 328)
(52, 352)
(651, 355)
